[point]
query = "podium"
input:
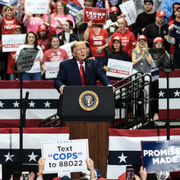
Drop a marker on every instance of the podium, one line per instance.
(88, 111)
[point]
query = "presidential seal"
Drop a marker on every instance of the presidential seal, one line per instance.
(88, 100)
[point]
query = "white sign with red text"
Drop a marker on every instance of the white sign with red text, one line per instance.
(65, 156)
(129, 9)
(119, 68)
(67, 48)
(11, 42)
(37, 7)
(52, 69)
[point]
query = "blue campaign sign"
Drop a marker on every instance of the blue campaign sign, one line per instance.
(161, 156)
(9, 2)
(73, 9)
(176, 31)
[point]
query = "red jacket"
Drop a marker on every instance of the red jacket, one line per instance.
(127, 39)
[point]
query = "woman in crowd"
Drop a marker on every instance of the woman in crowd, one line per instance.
(44, 34)
(99, 40)
(67, 35)
(60, 16)
(31, 42)
(55, 53)
(88, 51)
(142, 61)
(32, 21)
(173, 16)
(9, 19)
(127, 37)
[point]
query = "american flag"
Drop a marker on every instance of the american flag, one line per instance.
(32, 138)
(174, 95)
(125, 147)
(99, 4)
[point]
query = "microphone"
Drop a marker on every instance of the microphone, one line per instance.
(89, 65)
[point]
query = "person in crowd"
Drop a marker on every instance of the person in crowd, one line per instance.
(172, 17)
(127, 37)
(31, 42)
(159, 28)
(10, 19)
(116, 53)
(111, 24)
(32, 21)
(44, 34)
(67, 35)
(11, 57)
(74, 72)
(140, 6)
(167, 7)
(55, 53)
(80, 25)
(60, 16)
(174, 40)
(146, 17)
(99, 40)
(88, 51)
(142, 61)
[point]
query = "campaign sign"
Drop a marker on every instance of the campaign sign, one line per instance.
(52, 69)
(176, 30)
(129, 9)
(161, 156)
(25, 60)
(73, 9)
(9, 2)
(119, 68)
(65, 156)
(11, 42)
(36, 7)
(67, 48)
(97, 15)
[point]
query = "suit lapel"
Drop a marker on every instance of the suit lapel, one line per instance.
(76, 69)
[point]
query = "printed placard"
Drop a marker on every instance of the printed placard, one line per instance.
(119, 68)
(97, 15)
(52, 69)
(36, 7)
(11, 42)
(161, 156)
(65, 156)
(129, 9)
(176, 30)
(67, 48)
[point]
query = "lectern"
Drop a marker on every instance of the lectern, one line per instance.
(88, 111)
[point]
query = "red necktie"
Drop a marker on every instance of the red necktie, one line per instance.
(82, 74)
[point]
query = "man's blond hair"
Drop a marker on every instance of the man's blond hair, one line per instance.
(77, 44)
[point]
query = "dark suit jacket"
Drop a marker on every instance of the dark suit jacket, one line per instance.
(69, 74)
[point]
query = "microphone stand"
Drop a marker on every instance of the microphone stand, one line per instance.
(89, 65)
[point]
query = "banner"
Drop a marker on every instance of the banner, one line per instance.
(32, 139)
(161, 156)
(65, 156)
(73, 9)
(125, 147)
(52, 69)
(36, 7)
(67, 48)
(119, 68)
(176, 30)
(129, 9)
(11, 42)
(9, 2)
(174, 95)
(97, 15)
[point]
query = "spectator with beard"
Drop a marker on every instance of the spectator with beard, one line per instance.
(159, 28)
(146, 17)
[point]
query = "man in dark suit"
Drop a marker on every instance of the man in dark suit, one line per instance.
(70, 70)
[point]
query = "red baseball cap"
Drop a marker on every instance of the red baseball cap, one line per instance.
(16, 27)
(177, 7)
(42, 27)
(160, 14)
(117, 38)
(158, 39)
(142, 37)
(114, 10)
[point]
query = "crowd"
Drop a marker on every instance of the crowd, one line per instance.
(46, 33)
